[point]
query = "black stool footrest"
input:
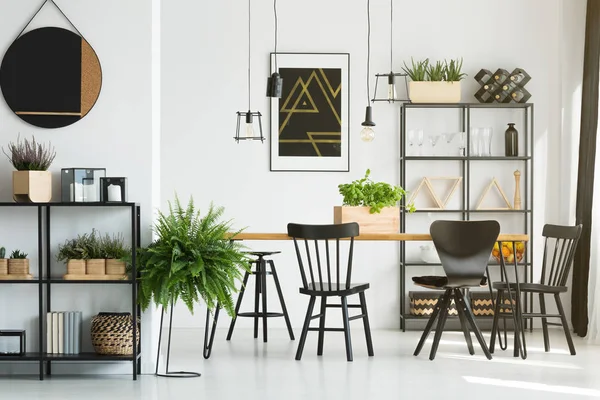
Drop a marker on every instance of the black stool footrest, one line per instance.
(259, 315)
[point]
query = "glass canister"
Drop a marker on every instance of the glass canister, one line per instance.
(511, 141)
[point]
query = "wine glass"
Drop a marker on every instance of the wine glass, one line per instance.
(411, 141)
(433, 139)
(448, 137)
(420, 138)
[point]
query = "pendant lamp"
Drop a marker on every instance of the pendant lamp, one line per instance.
(275, 82)
(367, 134)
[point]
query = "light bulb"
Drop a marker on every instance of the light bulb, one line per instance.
(391, 91)
(367, 134)
(250, 130)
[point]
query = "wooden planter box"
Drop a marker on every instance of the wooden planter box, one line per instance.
(18, 266)
(3, 266)
(115, 267)
(423, 303)
(95, 267)
(434, 92)
(387, 221)
(76, 267)
(32, 186)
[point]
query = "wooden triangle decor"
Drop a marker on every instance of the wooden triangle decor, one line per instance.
(493, 183)
(426, 183)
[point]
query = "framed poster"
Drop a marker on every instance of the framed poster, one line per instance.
(309, 123)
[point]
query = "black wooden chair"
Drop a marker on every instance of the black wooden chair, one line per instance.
(559, 251)
(464, 248)
(327, 280)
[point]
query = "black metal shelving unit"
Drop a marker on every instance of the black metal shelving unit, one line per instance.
(465, 212)
(45, 282)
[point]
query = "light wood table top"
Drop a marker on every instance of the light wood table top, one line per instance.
(393, 237)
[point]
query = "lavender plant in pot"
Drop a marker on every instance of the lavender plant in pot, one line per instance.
(32, 182)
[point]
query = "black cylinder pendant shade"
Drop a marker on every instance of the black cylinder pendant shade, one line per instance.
(368, 117)
(274, 85)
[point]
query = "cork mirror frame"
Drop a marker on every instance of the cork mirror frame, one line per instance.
(51, 77)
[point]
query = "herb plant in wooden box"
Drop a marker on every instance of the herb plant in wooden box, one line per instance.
(373, 205)
(115, 251)
(74, 253)
(32, 182)
(435, 83)
(3, 262)
(18, 265)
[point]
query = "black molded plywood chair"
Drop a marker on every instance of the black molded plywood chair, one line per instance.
(464, 248)
(560, 243)
(324, 276)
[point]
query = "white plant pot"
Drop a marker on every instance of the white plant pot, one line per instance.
(434, 92)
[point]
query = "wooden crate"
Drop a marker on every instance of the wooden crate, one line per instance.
(387, 221)
(423, 303)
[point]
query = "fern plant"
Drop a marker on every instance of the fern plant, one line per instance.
(191, 260)
(418, 71)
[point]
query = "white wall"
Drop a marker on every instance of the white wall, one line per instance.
(204, 84)
(116, 135)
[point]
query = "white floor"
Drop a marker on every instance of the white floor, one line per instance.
(248, 369)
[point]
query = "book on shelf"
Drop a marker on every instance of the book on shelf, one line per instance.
(63, 332)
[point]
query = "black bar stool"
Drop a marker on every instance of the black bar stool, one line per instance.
(261, 292)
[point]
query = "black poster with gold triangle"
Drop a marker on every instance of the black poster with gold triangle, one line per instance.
(50, 77)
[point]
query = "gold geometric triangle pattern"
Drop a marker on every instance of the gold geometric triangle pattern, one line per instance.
(427, 185)
(494, 183)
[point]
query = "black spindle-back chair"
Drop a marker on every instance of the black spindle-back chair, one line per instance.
(560, 243)
(326, 271)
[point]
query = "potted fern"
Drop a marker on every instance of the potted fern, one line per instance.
(435, 83)
(191, 260)
(373, 205)
(32, 182)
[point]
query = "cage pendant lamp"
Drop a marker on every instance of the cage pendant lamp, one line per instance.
(249, 123)
(275, 82)
(392, 95)
(367, 134)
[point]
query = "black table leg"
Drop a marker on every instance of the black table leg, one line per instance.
(208, 343)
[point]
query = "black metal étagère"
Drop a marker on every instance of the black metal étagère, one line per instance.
(45, 283)
(467, 163)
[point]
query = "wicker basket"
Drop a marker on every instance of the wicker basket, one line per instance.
(115, 267)
(423, 303)
(482, 304)
(18, 266)
(3, 266)
(112, 333)
(76, 267)
(95, 267)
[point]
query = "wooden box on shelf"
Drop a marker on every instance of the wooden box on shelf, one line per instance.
(18, 266)
(434, 92)
(387, 221)
(32, 186)
(115, 267)
(95, 267)
(76, 267)
(3, 266)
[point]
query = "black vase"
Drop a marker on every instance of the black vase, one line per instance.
(511, 141)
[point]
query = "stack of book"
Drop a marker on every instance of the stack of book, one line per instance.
(63, 332)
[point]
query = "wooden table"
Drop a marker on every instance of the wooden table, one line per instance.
(393, 237)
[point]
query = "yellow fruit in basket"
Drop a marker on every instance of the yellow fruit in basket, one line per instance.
(510, 258)
(496, 246)
(505, 251)
(508, 245)
(520, 247)
(496, 253)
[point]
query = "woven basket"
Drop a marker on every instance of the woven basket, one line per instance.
(95, 267)
(112, 333)
(482, 304)
(18, 266)
(115, 267)
(76, 267)
(423, 303)
(3, 266)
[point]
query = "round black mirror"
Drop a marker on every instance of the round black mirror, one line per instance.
(50, 77)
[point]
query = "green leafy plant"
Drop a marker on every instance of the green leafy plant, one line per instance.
(437, 72)
(18, 254)
(114, 247)
(84, 247)
(452, 70)
(191, 259)
(2, 252)
(30, 155)
(418, 71)
(376, 195)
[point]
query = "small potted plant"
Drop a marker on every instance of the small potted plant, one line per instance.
(3, 262)
(73, 252)
(96, 261)
(115, 251)
(18, 264)
(435, 83)
(32, 182)
(374, 205)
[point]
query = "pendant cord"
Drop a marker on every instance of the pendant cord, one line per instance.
(249, 58)
(40, 9)
(276, 29)
(391, 35)
(368, 49)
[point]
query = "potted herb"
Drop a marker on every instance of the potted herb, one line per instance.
(32, 182)
(3, 262)
(435, 83)
(191, 260)
(115, 251)
(18, 264)
(95, 263)
(74, 253)
(374, 205)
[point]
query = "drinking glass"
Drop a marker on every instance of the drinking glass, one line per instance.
(461, 144)
(433, 139)
(420, 138)
(486, 135)
(411, 141)
(448, 137)
(475, 148)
